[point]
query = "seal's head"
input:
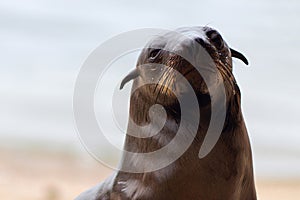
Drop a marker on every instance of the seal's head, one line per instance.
(199, 54)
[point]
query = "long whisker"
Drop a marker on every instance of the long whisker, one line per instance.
(227, 75)
(161, 85)
(167, 85)
(158, 82)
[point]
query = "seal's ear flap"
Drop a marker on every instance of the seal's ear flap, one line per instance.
(132, 75)
(238, 55)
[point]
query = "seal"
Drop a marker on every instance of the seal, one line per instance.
(227, 171)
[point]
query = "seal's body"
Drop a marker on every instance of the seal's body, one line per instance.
(227, 171)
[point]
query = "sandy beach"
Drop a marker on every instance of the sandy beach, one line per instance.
(31, 175)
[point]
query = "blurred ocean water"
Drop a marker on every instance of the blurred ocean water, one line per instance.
(44, 43)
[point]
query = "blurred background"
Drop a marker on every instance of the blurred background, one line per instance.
(44, 43)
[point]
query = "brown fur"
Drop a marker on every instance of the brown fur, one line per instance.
(225, 173)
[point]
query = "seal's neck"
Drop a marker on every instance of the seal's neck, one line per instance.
(224, 168)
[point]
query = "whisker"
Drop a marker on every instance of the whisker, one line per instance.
(158, 82)
(161, 85)
(167, 85)
(227, 75)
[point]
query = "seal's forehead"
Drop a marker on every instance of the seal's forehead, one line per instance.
(193, 32)
(180, 38)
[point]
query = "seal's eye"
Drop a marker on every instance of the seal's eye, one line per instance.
(153, 54)
(216, 39)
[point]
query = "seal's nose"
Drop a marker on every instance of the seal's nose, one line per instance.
(200, 41)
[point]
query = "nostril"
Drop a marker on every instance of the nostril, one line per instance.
(200, 41)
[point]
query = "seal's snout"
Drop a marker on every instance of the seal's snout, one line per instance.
(132, 75)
